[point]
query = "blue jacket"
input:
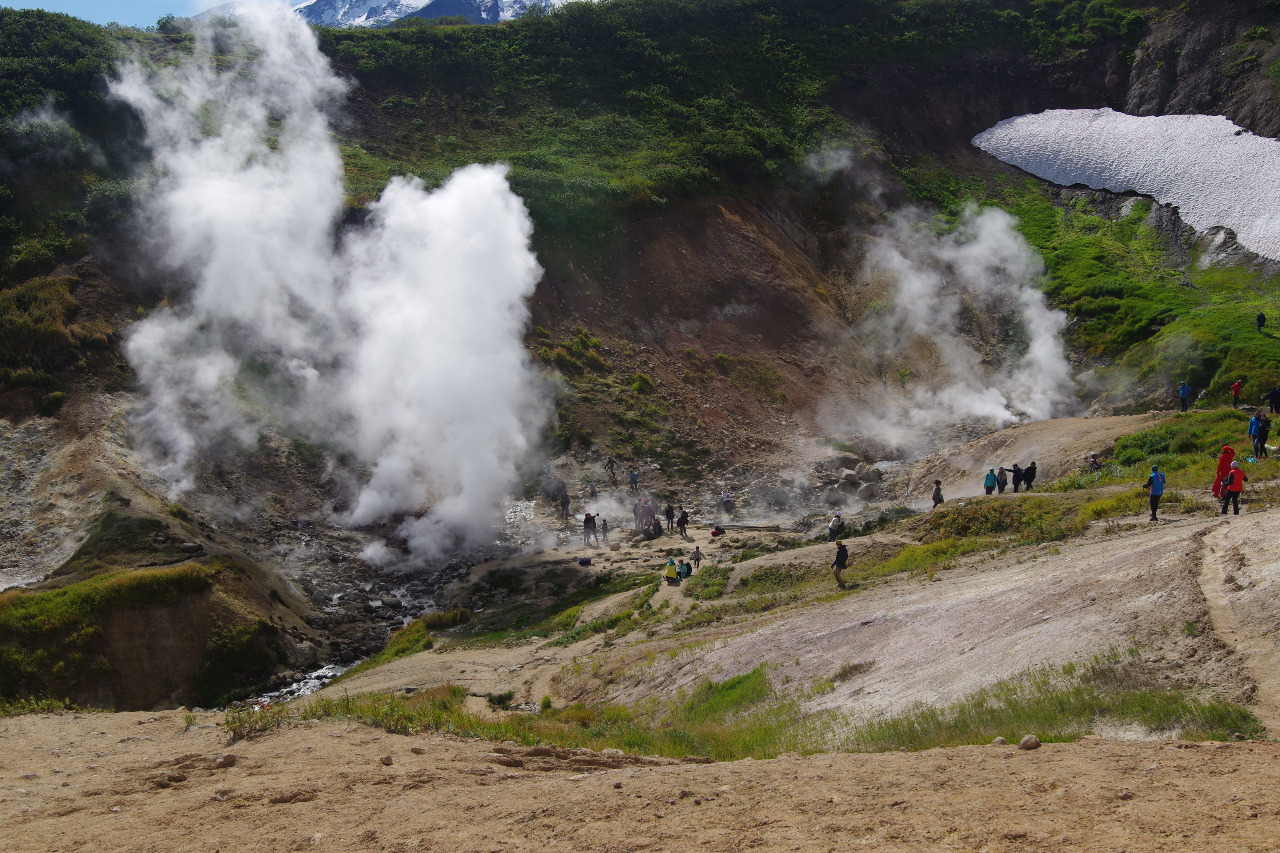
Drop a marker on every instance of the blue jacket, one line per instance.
(1254, 423)
(1184, 391)
(1156, 483)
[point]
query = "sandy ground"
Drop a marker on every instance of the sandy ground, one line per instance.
(133, 782)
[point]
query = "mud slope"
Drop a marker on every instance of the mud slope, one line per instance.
(133, 782)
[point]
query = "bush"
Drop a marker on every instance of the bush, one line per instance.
(709, 582)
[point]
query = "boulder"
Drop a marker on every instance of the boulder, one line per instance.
(868, 491)
(868, 473)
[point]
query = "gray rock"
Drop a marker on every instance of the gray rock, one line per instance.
(612, 753)
(387, 760)
(868, 473)
(1029, 742)
(868, 491)
(999, 742)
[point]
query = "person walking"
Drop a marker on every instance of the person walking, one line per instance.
(1273, 398)
(1184, 394)
(1254, 423)
(604, 529)
(696, 557)
(634, 477)
(1002, 480)
(670, 512)
(937, 494)
(611, 468)
(1262, 321)
(835, 528)
(1017, 477)
(1264, 432)
(682, 522)
(840, 563)
(564, 504)
(1154, 487)
(1232, 486)
(589, 529)
(990, 482)
(1029, 475)
(1236, 388)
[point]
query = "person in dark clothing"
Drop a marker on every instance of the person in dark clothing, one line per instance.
(1029, 475)
(1232, 486)
(1272, 397)
(657, 528)
(604, 529)
(840, 563)
(696, 557)
(670, 512)
(1262, 321)
(682, 521)
(589, 529)
(1264, 432)
(1184, 394)
(1154, 487)
(611, 468)
(564, 504)
(937, 493)
(1002, 480)
(1017, 477)
(634, 478)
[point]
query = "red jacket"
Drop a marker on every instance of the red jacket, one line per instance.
(1234, 481)
(1235, 389)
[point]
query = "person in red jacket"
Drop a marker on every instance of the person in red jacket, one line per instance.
(1232, 486)
(1235, 393)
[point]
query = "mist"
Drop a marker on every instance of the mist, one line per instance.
(944, 291)
(397, 342)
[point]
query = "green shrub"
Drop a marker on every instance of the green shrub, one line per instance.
(709, 582)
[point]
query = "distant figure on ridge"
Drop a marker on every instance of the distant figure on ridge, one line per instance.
(990, 482)
(1154, 487)
(937, 493)
(1184, 394)
(1235, 393)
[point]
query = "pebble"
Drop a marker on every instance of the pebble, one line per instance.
(617, 784)
(1029, 742)
(387, 760)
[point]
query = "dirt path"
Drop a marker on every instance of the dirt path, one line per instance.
(133, 782)
(1221, 566)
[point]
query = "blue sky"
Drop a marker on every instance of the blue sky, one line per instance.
(136, 13)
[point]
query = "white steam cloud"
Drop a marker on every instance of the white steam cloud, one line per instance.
(397, 341)
(947, 291)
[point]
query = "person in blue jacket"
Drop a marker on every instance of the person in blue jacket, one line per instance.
(1154, 487)
(1184, 394)
(991, 481)
(1254, 423)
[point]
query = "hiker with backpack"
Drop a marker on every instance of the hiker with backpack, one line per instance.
(1232, 486)
(1154, 487)
(682, 522)
(670, 512)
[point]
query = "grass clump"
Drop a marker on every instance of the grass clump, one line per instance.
(1060, 705)
(37, 705)
(779, 577)
(709, 583)
(409, 640)
(1028, 520)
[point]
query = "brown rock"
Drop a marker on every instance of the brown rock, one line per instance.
(224, 760)
(387, 760)
(999, 742)
(1029, 742)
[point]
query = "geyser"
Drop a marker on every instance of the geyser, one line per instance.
(398, 341)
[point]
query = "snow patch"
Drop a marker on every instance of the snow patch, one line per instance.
(1215, 172)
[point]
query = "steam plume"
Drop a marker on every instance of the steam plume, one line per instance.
(397, 341)
(946, 290)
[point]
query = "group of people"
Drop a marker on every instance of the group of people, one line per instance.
(594, 527)
(1271, 398)
(676, 573)
(997, 480)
